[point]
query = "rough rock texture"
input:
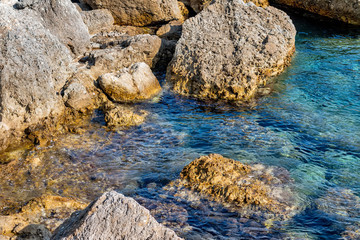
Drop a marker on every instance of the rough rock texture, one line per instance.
(63, 20)
(98, 20)
(247, 188)
(130, 84)
(122, 116)
(77, 97)
(124, 52)
(140, 12)
(347, 11)
(113, 216)
(170, 31)
(199, 5)
(34, 66)
(230, 49)
(48, 210)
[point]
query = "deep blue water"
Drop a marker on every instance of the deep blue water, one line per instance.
(309, 124)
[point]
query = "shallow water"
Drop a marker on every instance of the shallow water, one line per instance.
(309, 125)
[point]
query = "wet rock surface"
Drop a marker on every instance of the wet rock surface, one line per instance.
(345, 11)
(230, 49)
(122, 117)
(249, 189)
(131, 84)
(139, 12)
(45, 213)
(113, 216)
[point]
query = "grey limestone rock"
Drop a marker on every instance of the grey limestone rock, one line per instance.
(113, 216)
(63, 20)
(34, 66)
(230, 49)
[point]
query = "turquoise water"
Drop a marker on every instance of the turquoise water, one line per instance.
(309, 125)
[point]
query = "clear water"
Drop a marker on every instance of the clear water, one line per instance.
(309, 124)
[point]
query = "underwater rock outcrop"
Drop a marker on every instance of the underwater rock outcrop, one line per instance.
(230, 49)
(248, 189)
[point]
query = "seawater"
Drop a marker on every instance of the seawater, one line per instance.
(309, 124)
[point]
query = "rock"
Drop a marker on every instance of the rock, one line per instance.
(98, 20)
(113, 216)
(47, 210)
(139, 12)
(339, 202)
(199, 5)
(34, 232)
(34, 66)
(63, 20)
(130, 84)
(248, 189)
(77, 97)
(170, 31)
(230, 49)
(345, 11)
(122, 116)
(125, 52)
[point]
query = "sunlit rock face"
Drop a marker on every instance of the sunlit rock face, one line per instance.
(139, 12)
(229, 50)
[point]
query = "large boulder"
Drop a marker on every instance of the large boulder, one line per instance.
(63, 20)
(135, 83)
(140, 12)
(249, 189)
(199, 5)
(113, 216)
(346, 11)
(230, 49)
(34, 66)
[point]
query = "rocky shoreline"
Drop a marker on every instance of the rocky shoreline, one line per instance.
(62, 60)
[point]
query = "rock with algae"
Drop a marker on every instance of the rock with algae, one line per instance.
(48, 210)
(122, 116)
(247, 189)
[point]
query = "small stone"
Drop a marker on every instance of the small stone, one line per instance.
(130, 84)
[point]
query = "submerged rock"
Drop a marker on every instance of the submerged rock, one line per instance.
(345, 11)
(139, 12)
(130, 84)
(248, 189)
(113, 216)
(230, 49)
(122, 116)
